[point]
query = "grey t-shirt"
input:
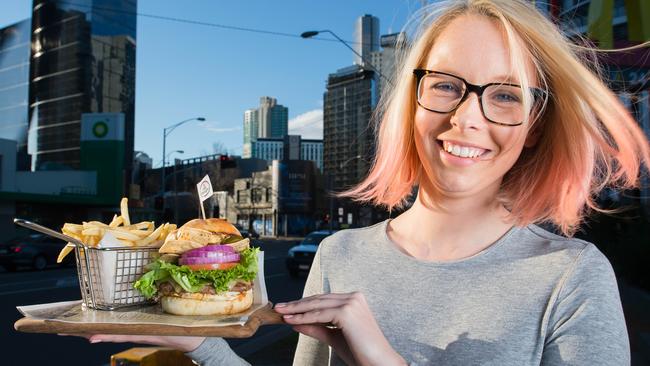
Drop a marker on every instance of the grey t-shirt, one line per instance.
(531, 298)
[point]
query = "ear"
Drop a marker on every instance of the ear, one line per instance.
(535, 131)
(536, 128)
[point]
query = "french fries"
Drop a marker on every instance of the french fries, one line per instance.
(124, 210)
(139, 234)
(65, 251)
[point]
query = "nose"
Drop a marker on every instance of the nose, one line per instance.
(468, 114)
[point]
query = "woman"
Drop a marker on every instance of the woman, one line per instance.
(500, 126)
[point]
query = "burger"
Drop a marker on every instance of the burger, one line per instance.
(205, 268)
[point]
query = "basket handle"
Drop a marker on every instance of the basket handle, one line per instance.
(48, 231)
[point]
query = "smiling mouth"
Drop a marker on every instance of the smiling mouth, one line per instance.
(462, 151)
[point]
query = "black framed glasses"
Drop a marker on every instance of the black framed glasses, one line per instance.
(501, 103)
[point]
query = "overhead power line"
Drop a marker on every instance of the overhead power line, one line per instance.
(198, 22)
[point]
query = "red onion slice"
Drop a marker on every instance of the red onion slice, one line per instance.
(217, 258)
(209, 249)
(207, 254)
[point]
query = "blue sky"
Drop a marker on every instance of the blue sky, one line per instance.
(186, 70)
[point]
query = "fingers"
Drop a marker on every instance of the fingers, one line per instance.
(116, 338)
(309, 304)
(183, 343)
(325, 309)
(87, 336)
(120, 338)
(321, 317)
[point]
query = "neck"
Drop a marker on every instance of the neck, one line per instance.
(449, 228)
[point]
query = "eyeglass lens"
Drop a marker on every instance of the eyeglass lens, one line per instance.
(443, 93)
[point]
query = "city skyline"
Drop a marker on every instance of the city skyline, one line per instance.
(221, 81)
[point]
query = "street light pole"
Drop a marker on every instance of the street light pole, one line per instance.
(166, 132)
(310, 34)
(175, 186)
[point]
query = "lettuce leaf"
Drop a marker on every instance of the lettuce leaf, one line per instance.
(194, 281)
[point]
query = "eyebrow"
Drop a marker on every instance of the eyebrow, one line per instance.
(501, 78)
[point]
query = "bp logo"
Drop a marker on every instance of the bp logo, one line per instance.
(100, 129)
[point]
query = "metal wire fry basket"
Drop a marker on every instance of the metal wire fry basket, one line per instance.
(106, 275)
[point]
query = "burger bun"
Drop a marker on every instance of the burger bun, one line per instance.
(206, 304)
(213, 225)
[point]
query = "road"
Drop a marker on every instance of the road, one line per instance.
(27, 287)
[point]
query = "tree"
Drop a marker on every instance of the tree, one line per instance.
(219, 148)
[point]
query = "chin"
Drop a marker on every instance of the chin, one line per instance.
(456, 182)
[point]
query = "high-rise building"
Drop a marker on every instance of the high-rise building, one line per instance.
(14, 86)
(273, 118)
(290, 147)
(384, 60)
(312, 150)
(82, 61)
(269, 120)
(366, 37)
(349, 103)
(348, 139)
(251, 131)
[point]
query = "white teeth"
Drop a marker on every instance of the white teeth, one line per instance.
(462, 151)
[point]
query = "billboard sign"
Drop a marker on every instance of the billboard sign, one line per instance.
(294, 182)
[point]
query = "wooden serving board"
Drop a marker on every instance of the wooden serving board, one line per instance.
(263, 316)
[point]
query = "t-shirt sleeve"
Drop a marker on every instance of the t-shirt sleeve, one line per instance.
(215, 351)
(586, 325)
(310, 351)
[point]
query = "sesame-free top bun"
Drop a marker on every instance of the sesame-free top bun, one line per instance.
(213, 225)
(197, 233)
(205, 304)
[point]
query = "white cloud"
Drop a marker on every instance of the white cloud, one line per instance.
(214, 127)
(309, 125)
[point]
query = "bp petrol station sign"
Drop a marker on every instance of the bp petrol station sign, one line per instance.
(102, 150)
(102, 127)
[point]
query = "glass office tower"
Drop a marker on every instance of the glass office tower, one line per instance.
(14, 86)
(82, 61)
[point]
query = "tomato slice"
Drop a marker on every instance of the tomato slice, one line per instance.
(211, 266)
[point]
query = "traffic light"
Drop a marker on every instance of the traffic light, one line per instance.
(226, 162)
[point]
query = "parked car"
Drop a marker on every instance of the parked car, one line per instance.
(246, 234)
(252, 234)
(35, 250)
(300, 257)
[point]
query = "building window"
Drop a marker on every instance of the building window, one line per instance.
(257, 195)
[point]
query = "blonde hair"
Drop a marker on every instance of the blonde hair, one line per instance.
(587, 138)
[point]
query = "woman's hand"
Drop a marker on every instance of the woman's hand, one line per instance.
(185, 344)
(345, 322)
